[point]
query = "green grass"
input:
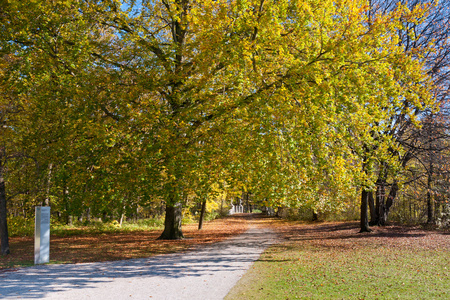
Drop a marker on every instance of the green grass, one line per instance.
(22, 227)
(15, 264)
(299, 271)
(98, 227)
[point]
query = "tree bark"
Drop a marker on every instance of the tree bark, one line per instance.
(247, 199)
(364, 212)
(373, 213)
(172, 223)
(430, 218)
(437, 206)
(389, 202)
(3, 215)
(67, 212)
(202, 215)
(46, 202)
(122, 216)
(379, 202)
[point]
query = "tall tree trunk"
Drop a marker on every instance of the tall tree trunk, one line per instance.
(379, 202)
(3, 215)
(46, 202)
(67, 211)
(437, 207)
(380, 195)
(364, 212)
(172, 223)
(430, 218)
(389, 201)
(122, 215)
(88, 214)
(373, 213)
(202, 215)
(161, 208)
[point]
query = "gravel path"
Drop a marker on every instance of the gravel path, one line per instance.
(207, 273)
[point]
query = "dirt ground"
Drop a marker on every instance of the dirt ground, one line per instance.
(126, 245)
(121, 245)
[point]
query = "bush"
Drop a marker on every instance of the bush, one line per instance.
(145, 224)
(20, 226)
(212, 216)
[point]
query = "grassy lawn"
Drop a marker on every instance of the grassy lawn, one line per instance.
(334, 261)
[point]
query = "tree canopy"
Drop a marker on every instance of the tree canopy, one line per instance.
(125, 101)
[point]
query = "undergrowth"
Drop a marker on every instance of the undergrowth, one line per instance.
(25, 227)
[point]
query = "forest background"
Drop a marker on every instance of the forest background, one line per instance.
(113, 110)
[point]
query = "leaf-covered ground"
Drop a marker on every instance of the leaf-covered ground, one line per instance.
(345, 235)
(334, 261)
(121, 245)
(312, 261)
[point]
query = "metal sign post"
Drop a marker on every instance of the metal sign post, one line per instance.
(42, 235)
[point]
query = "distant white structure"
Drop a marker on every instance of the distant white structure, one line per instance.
(236, 209)
(232, 210)
(269, 211)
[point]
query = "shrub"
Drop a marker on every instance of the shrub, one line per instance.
(20, 226)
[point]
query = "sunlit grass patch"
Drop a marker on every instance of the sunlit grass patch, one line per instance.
(325, 266)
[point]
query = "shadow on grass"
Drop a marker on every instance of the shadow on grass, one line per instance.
(351, 231)
(345, 236)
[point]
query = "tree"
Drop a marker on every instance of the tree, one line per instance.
(426, 41)
(277, 94)
(3, 210)
(13, 116)
(8, 146)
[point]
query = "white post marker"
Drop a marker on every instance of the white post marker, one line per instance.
(42, 235)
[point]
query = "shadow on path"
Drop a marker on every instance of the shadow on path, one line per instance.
(230, 258)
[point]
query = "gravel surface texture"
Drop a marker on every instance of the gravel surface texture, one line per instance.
(206, 273)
